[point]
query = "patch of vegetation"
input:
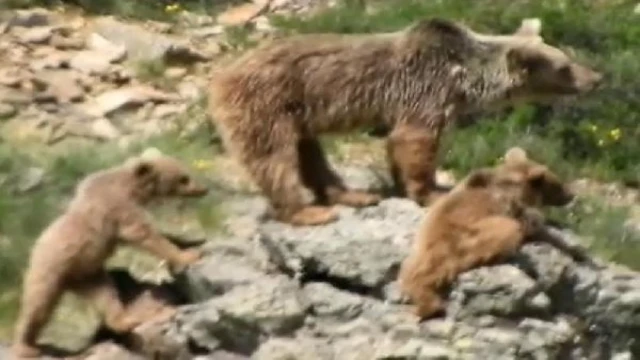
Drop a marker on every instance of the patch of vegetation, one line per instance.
(604, 228)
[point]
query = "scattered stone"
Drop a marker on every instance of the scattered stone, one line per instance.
(103, 129)
(144, 45)
(117, 99)
(175, 72)
(90, 62)
(31, 179)
(112, 52)
(14, 97)
(67, 43)
(12, 76)
(7, 111)
(37, 35)
(241, 14)
(31, 18)
(62, 85)
(55, 60)
(207, 32)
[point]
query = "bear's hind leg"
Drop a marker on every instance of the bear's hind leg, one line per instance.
(328, 187)
(278, 174)
(102, 292)
(39, 299)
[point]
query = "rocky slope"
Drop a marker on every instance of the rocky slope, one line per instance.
(270, 291)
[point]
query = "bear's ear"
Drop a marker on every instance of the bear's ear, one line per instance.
(529, 27)
(479, 178)
(438, 28)
(143, 169)
(515, 155)
(536, 176)
(150, 153)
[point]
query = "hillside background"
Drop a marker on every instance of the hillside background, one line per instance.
(56, 130)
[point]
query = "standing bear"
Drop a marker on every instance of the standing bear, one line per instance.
(71, 252)
(271, 103)
(485, 218)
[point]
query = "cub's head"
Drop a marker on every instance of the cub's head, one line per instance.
(524, 180)
(157, 175)
(542, 72)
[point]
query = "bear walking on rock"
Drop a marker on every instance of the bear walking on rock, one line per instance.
(71, 253)
(483, 219)
(270, 104)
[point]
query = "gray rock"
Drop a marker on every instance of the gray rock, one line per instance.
(144, 45)
(31, 18)
(294, 348)
(499, 290)
(274, 304)
(225, 267)
(362, 248)
(36, 35)
(125, 97)
(31, 178)
(327, 301)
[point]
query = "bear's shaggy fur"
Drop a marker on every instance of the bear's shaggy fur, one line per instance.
(270, 104)
(70, 254)
(483, 219)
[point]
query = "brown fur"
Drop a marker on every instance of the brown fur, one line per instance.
(70, 254)
(483, 219)
(271, 103)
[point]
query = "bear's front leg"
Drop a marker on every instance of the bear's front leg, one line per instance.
(412, 155)
(141, 234)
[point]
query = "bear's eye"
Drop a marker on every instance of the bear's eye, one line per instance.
(565, 71)
(183, 180)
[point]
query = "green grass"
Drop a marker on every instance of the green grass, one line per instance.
(603, 228)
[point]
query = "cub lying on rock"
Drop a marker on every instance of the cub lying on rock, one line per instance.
(484, 218)
(70, 254)
(272, 103)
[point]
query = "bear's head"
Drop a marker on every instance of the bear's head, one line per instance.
(524, 180)
(527, 68)
(158, 175)
(541, 72)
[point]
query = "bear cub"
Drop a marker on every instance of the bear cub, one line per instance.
(107, 208)
(485, 218)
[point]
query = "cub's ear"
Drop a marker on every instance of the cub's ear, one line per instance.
(438, 28)
(479, 178)
(529, 27)
(515, 155)
(143, 169)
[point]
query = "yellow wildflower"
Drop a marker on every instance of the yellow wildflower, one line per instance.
(593, 128)
(172, 8)
(615, 134)
(202, 164)
(600, 142)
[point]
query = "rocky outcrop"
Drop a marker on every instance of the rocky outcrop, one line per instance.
(267, 290)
